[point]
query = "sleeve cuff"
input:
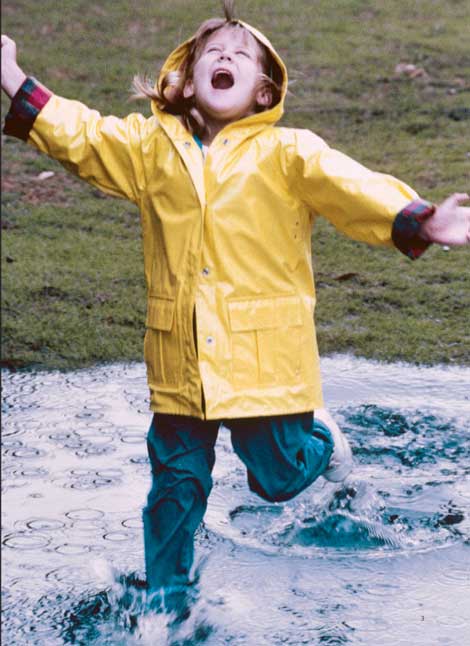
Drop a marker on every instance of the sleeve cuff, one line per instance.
(25, 107)
(407, 225)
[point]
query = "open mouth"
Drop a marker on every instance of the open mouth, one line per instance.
(222, 80)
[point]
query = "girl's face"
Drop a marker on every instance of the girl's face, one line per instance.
(226, 77)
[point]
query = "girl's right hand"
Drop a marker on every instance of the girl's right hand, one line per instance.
(8, 48)
(12, 75)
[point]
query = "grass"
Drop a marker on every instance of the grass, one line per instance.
(73, 288)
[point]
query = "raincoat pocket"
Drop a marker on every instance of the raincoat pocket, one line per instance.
(161, 345)
(266, 347)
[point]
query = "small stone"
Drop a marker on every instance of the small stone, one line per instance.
(46, 174)
(411, 71)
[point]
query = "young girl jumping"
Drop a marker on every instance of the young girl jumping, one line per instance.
(227, 202)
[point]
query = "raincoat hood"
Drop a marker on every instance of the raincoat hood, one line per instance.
(178, 57)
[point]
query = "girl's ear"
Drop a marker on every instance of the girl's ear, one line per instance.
(264, 97)
(188, 90)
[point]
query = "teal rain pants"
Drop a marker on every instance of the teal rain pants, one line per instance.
(283, 455)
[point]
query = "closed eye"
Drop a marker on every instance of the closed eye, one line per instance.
(243, 53)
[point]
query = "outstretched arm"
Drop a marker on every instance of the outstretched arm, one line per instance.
(105, 151)
(369, 206)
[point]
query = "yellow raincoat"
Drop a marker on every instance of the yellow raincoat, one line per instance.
(227, 251)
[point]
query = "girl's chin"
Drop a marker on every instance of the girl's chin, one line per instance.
(225, 110)
(221, 103)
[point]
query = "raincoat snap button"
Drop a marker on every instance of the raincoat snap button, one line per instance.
(210, 340)
(206, 271)
(187, 144)
(225, 142)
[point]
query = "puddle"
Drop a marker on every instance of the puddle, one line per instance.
(381, 559)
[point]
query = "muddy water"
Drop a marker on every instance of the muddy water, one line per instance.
(383, 559)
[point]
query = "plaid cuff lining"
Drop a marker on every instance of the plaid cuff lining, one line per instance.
(25, 107)
(407, 225)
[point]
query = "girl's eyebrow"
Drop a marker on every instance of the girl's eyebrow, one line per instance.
(242, 48)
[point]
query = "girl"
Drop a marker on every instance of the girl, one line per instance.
(227, 201)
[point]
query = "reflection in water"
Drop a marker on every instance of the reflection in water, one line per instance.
(381, 559)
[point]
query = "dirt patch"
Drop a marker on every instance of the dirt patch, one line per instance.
(29, 189)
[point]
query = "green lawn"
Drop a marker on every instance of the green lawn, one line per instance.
(73, 290)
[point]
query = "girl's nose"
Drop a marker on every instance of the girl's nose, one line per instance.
(224, 56)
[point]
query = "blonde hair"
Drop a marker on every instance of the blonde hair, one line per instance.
(168, 94)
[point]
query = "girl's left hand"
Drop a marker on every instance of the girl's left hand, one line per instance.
(450, 223)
